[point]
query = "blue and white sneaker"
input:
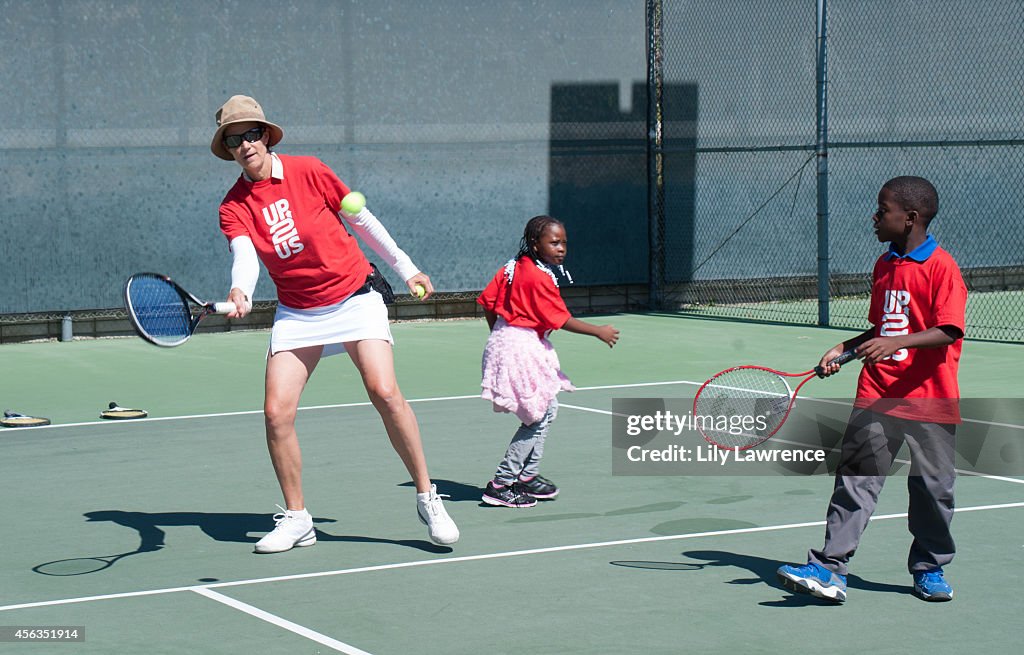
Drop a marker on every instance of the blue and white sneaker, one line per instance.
(814, 579)
(932, 586)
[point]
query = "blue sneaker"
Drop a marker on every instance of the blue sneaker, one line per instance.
(931, 586)
(814, 579)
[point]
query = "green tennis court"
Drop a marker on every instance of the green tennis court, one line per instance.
(140, 533)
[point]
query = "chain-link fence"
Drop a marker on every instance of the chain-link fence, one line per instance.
(682, 143)
(518, 109)
(761, 188)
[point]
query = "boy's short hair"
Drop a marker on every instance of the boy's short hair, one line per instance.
(917, 194)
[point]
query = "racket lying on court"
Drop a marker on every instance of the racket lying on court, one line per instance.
(16, 420)
(115, 412)
(743, 406)
(162, 312)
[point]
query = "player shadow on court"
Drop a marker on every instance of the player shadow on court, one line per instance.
(220, 526)
(763, 571)
(456, 492)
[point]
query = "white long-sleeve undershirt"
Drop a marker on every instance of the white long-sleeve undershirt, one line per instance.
(374, 234)
(245, 266)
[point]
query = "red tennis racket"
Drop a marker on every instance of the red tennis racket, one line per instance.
(743, 406)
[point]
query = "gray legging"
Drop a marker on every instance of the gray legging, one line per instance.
(522, 459)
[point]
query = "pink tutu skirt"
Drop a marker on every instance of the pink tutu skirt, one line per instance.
(521, 373)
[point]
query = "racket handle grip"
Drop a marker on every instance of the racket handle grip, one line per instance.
(223, 307)
(846, 356)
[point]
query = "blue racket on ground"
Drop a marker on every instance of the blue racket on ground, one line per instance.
(162, 312)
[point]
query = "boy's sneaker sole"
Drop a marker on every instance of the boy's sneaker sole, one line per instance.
(937, 597)
(933, 598)
(813, 587)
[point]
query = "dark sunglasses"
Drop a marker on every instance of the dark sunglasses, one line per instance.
(252, 136)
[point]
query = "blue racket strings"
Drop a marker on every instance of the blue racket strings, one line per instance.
(160, 310)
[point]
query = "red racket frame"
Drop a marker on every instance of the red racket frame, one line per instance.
(817, 371)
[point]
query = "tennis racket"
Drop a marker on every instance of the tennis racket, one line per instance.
(16, 420)
(162, 312)
(115, 412)
(743, 406)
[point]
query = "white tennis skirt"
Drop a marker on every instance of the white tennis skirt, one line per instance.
(356, 318)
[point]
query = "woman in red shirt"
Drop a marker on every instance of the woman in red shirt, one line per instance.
(521, 373)
(285, 212)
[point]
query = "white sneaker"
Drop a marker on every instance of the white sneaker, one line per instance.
(294, 528)
(431, 511)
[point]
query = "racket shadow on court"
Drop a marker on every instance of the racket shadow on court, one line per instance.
(763, 570)
(219, 526)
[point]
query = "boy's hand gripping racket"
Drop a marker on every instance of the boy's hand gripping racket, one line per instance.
(162, 312)
(744, 406)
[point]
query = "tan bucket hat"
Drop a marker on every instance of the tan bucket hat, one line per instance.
(241, 109)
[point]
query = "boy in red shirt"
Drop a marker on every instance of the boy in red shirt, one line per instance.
(907, 391)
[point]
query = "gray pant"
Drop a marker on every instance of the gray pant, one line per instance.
(869, 448)
(522, 459)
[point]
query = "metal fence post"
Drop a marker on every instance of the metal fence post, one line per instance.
(821, 151)
(655, 159)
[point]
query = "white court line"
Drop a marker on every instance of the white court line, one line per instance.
(249, 412)
(588, 409)
(907, 462)
(443, 398)
(998, 425)
(364, 403)
(988, 476)
(475, 558)
(639, 384)
(336, 406)
(313, 635)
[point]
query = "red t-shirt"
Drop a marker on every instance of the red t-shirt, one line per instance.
(909, 296)
(532, 299)
(294, 224)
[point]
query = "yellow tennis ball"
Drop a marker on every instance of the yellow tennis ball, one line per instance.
(353, 203)
(420, 291)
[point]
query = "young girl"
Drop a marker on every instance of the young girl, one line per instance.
(521, 373)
